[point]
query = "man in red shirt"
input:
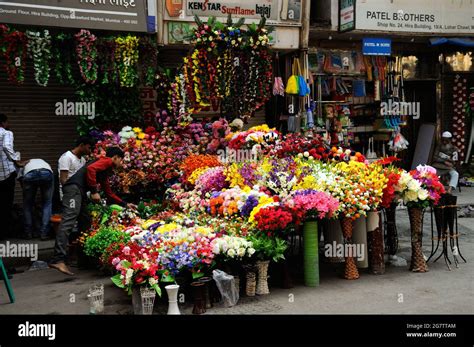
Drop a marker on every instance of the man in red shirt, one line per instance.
(90, 178)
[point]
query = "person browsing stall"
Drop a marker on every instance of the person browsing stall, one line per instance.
(92, 178)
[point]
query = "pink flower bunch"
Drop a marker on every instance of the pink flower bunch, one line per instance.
(312, 204)
(211, 180)
(430, 181)
(220, 129)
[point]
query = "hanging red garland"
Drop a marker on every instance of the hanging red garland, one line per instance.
(15, 49)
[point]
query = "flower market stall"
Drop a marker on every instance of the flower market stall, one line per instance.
(218, 206)
(240, 217)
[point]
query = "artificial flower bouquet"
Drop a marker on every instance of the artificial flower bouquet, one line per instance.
(136, 266)
(311, 204)
(420, 187)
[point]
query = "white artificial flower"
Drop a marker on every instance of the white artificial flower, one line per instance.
(414, 185)
(423, 194)
(231, 253)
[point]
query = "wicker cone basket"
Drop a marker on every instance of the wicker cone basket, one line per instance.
(350, 271)
(392, 234)
(418, 263)
(262, 277)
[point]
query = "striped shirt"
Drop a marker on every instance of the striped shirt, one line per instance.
(7, 154)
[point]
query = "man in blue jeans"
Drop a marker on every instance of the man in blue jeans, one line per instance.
(37, 174)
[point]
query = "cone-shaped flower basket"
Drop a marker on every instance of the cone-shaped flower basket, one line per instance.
(311, 254)
(392, 234)
(375, 242)
(350, 272)
(418, 263)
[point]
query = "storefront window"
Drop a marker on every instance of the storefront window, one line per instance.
(460, 61)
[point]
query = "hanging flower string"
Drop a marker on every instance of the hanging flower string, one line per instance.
(86, 50)
(106, 48)
(126, 56)
(148, 53)
(230, 68)
(39, 49)
(62, 55)
(15, 48)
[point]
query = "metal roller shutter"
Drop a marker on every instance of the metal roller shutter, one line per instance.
(39, 133)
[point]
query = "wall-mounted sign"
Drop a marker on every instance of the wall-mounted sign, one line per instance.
(177, 32)
(346, 15)
(174, 7)
(375, 46)
(425, 16)
(120, 15)
(222, 8)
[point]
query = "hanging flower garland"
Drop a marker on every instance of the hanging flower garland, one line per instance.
(126, 57)
(229, 68)
(62, 56)
(148, 53)
(15, 49)
(86, 50)
(39, 49)
(106, 48)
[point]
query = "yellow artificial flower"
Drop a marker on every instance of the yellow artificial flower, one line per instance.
(167, 228)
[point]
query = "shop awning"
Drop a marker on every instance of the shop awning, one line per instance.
(459, 41)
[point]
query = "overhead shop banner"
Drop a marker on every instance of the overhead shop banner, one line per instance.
(222, 8)
(420, 16)
(120, 15)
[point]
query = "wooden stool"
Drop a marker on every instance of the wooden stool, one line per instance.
(7, 282)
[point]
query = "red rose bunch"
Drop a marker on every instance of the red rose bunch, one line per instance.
(273, 219)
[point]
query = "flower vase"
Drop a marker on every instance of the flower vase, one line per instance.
(207, 296)
(262, 277)
(237, 283)
(392, 234)
(375, 242)
(96, 299)
(333, 237)
(418, 263)
(359, 237)
(350, 271)
(172, 291)
(199, 300)
(143, 300)
(251, 282)
(311, 253)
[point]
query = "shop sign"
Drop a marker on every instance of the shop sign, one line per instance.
(222, 8)
(346, 15)
(419, 16)
(376, 46)
(120, 15)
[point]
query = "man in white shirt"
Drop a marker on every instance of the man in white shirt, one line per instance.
(37, 174)
(71, 161)
(9, 161)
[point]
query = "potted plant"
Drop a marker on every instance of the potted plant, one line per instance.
(266, 249)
